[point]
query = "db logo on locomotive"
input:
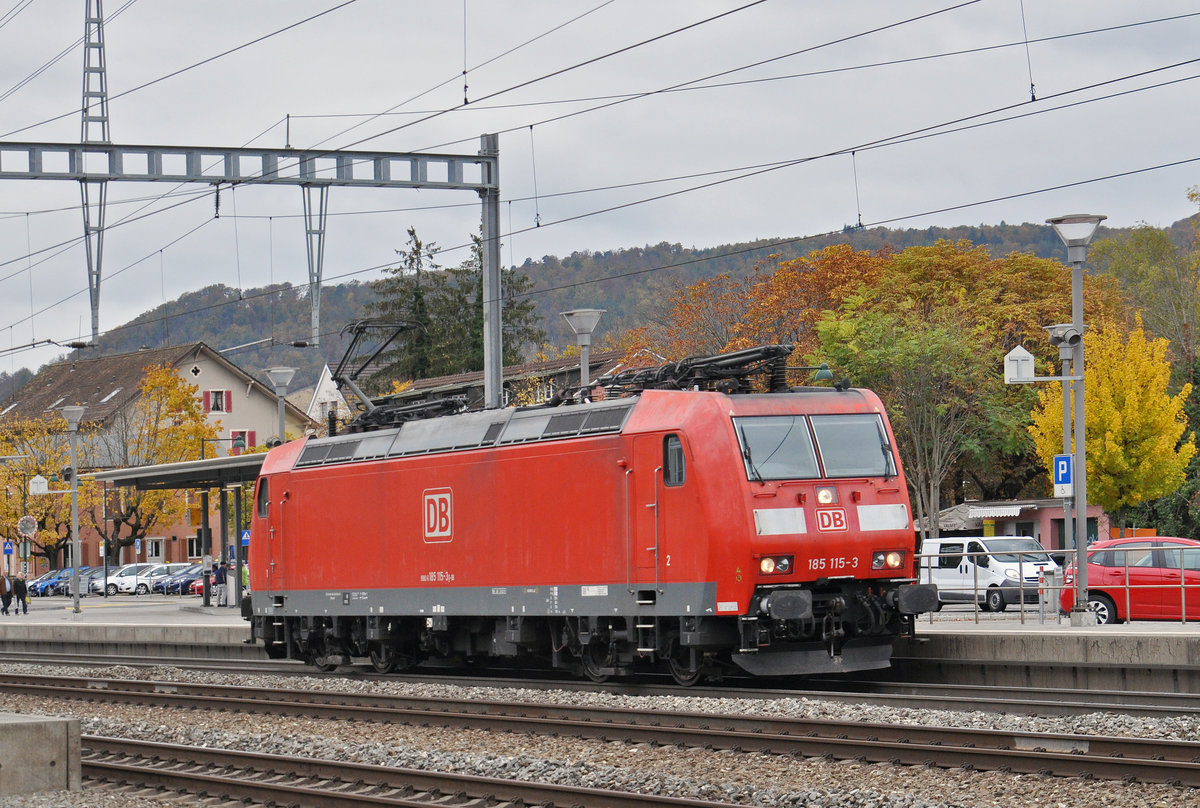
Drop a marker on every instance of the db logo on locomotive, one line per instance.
(439, 522)
(831, 520)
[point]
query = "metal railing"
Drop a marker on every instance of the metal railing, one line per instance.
(1049, 587)
(1044, 593)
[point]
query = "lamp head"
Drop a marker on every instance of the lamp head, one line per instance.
(583, 321)
(1076, 229)
(280, 377)
(73, 414)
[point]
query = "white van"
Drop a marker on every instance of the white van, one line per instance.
(992, 570)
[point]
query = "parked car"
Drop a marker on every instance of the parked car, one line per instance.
(86, 576)
(44, 586)
(140, 583)
(177, 583)
(994, 570)
(116, 573)
(196, 587)
(1140, 579)
(45, 576)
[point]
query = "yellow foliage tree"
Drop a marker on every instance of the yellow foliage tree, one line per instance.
(1136, 448)
(40, 446)
(165, 424)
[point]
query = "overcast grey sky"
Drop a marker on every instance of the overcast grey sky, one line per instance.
(666, 139)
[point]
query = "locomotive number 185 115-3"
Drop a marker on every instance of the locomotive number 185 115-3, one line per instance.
(833, 564)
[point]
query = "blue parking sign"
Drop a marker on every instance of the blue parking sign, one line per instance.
(1064, 465)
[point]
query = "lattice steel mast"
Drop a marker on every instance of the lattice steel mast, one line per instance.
(94, 131)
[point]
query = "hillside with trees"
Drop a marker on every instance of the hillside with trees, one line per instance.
(636, 286)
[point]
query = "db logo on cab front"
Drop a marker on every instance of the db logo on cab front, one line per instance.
(439, 515)
(834, 519)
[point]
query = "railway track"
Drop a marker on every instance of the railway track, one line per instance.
(247, 777)
(1140, 760)
(1043, 701)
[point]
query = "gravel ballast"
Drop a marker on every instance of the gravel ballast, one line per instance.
(736, 777)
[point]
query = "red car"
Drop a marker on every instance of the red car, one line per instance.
(1148, 578)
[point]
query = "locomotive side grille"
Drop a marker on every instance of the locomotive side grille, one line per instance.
(467, 431)
(341, 451)
(605, 420)
(314, 453)
(565, 424)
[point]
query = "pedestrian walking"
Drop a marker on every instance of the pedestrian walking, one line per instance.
(219, 580)
(20, 596)
(6, 593)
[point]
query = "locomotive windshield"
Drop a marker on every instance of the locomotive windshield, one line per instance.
(782, 447)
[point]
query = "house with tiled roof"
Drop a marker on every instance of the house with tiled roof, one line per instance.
(108, 389)
(107, 385)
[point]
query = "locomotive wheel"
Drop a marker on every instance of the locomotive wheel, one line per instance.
(383, 658)
(319, 659)
(679, 660)
(594, 658)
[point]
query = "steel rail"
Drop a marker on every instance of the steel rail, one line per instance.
(289, 780)
(1145, 760)
(1015, 699)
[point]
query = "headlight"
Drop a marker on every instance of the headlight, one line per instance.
(775, 565)
(1010, 573)
(887, 560)
(827, 496)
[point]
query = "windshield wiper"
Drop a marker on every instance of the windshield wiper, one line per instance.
(755, 473)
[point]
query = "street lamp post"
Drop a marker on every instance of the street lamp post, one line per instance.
(281, 378)
(583, 323)
(74, 414)
(1076, 232)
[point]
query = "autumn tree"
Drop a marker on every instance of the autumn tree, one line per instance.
(1163, 282)
(165, 424)
(785, 305)
(1134, 426)
(41, 447)
(929, 373)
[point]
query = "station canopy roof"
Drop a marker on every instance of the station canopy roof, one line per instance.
(214, 472)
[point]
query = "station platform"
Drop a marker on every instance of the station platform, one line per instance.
(149, 625)
(956, 645)
(1001, 650)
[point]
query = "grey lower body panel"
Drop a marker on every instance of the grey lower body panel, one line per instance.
(856, 655)
(598, 600)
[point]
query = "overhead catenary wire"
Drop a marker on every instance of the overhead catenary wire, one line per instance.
(768, 245)
(665, 180)
(188, 68)
(926, 132)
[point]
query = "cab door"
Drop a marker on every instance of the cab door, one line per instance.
(646, 506)
(269, 513)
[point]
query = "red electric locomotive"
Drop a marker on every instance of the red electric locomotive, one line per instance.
(683, 519)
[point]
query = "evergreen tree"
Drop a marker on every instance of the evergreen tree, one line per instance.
(447, 306)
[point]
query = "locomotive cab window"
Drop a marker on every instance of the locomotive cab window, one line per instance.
(261, 499)
(777, 447)
(673, 466)
(854, 446)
